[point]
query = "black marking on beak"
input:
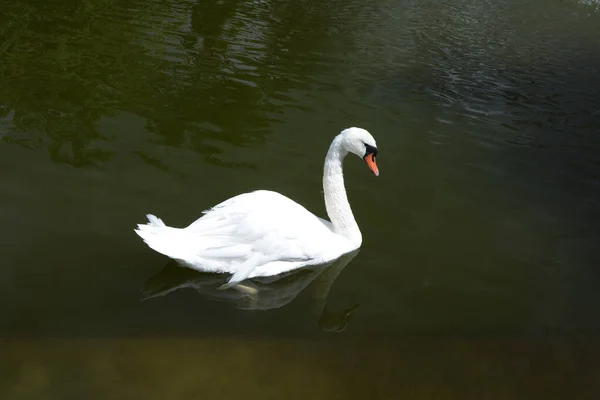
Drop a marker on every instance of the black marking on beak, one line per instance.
(370, 150)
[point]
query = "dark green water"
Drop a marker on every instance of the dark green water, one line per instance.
(479, 275)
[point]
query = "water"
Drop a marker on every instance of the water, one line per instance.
(478, 276)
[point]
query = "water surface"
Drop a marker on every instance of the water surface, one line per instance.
(478, 276)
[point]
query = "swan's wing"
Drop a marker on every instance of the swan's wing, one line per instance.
(256, 228)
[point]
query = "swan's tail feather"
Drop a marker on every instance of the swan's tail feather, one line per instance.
(164, 239)
(155, 221)
(209, 245)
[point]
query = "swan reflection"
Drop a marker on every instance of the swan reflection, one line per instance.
(261, 293)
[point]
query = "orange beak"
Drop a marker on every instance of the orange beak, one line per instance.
(370, 160)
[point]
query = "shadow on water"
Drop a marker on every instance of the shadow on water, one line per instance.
(263, 293)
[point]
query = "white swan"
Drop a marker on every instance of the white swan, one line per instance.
(264, 233)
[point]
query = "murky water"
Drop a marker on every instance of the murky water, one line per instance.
(479, 273)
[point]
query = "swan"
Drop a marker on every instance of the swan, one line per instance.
(263, 233)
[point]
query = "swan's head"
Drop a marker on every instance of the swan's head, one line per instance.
(360, 142)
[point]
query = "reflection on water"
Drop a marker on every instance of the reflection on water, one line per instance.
(478, 276)
(203, 75)
(261, 293)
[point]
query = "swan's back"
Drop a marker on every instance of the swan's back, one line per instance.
(263, 210)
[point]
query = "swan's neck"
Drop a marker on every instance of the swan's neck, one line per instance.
(336, 200)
